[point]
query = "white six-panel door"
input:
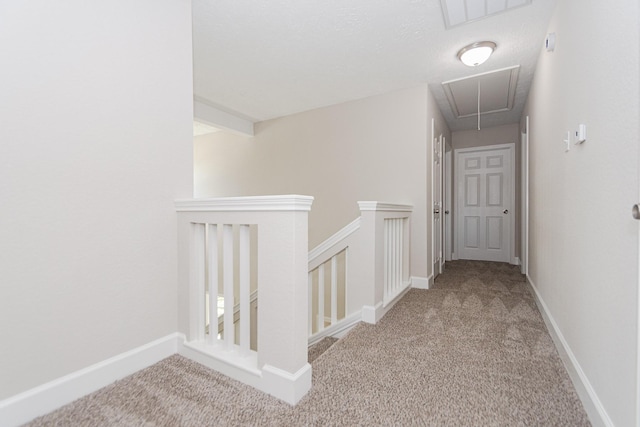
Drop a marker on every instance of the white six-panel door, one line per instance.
(484, 203)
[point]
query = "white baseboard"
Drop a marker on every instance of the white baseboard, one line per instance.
(269, 379)
(420, 282)
(515, 261)
(592, 405)
(431, 279)
(338, 330)
(26, 406)
(285, 386)
(373, 314)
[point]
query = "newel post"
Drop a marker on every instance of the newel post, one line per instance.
(283, 295)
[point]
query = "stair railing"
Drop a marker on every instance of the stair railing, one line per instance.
(226, 246)
(361, 271)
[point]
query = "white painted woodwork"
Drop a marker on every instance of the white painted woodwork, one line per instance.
(524, 195)
(311, 299)
(24, 407)
(318, 300)
(279, 366)
(485, 203)
(378, 239)
(334, 290)
(437, 205)
(212, 265)
(395, 266)
(371, 252)
(197, 261)
(335, 239)
(321, 297)
(448, 206)
(209, 115)
(245, 291)
(227, 283)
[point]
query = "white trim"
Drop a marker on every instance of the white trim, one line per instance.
(26, 406)
(515, 261)
(381, 206)
(271, 380)
(419, 282)
(285, 386)
(210, 115)
(345, 232)
(373, 314)
(291, 202)
(392, 298)
(592, 405)
(338, 330)
(370, 314)
(431, 280)
(524, 196)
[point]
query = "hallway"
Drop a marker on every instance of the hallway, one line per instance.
(473, 351)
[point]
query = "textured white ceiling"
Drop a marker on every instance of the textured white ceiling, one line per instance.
(263, 60)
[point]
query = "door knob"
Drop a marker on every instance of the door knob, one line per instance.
(636, 211)
(446, 212)
(506, 211)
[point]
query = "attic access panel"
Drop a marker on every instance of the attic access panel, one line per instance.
(497, 92)
(459, 12)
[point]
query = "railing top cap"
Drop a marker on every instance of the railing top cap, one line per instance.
(383, 206)
(290, 202)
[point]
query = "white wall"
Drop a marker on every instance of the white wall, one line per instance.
(371, 149)
(584, 242)
(96, 111)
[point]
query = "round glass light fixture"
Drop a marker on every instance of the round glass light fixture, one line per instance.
(476, 53)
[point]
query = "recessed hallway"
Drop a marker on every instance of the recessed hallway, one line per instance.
(473, 351)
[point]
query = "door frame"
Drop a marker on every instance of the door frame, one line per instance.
(524, 196)
(437, 157)
(437, 259)
(448, 213)
(511, 147)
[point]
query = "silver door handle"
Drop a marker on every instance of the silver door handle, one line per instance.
(436, 211)
(635, 211)
(506, 211)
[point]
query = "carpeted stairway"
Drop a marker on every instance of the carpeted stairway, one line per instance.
(472, 351)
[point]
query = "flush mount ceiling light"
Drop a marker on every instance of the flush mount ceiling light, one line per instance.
(476, 53)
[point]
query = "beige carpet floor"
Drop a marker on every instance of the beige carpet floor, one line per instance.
(473, 351)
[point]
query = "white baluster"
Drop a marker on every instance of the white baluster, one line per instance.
(245, 292)
(334, 289)
(227, 272)
(310, 298)
(401, 275)
(387, 266)
(320, 298)
(212, 264)
(198, 267)
(398, 280)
